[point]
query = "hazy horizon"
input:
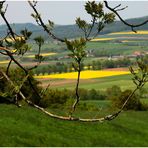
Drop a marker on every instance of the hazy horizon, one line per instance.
(65, 12)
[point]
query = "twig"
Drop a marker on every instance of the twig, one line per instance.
(42, 23)
(122, 20)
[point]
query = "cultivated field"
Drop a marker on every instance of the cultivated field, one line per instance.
(43, 54)
(88, 74)
(26, 126)
(118, 43)
(141, 32)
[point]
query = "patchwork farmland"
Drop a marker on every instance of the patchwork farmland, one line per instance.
(53, 88)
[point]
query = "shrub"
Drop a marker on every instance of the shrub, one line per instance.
(7, 91)
(113, 91)
(91, 94)
(54, 96)
(133, 104)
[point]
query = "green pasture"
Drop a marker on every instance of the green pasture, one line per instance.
(25, 127)
(116, 48)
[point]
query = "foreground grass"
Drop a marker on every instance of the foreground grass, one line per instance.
(28, 127)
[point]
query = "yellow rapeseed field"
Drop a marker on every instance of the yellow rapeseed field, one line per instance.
(88, 74)
(102, 39)
(43, 54)
(126, 41)
(130, 32)
(4, 62)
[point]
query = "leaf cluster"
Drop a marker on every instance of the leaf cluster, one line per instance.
(77, 48)
(37, 18)
(140, 76)
(19, 45)
(39, 57)
(19, 42)
(99, 18)
(39, 40)
(1, 7)
(26, 34)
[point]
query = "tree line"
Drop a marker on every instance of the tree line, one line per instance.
(61, 67)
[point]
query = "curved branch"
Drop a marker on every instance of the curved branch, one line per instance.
(8, 25)
(121, 19)
(69, 118)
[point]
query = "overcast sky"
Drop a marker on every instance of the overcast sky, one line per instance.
(65, 12)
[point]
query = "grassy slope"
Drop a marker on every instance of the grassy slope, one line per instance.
(28, 127)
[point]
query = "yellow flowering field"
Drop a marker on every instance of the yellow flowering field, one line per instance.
(126, 41)
(102, 39)
(88, 74)
(43, 54)
(130, 32)
(4, 62)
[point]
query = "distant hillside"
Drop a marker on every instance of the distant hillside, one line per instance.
(72, 31)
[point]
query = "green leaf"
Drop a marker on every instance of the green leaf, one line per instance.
(26, 33)
(39, 40)
(81, 23)
(50, 25)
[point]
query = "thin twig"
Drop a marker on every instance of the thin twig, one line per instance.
(42, 23)
(122, 20)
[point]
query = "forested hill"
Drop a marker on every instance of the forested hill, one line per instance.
(72, 31)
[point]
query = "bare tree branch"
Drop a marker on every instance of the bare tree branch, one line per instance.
(8, 25)
(39, 20)
(69, 118)
(122, 20)
(7, 71)
(121, 8)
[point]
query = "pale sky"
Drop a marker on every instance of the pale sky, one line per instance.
(65, 12)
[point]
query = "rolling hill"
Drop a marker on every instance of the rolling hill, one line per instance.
(72, 31)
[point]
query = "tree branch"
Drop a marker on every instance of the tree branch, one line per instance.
(42, 23)
(76, 91)
(7, 71)
(121, 19)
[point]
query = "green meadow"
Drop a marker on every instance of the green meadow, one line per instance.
(26, 126)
